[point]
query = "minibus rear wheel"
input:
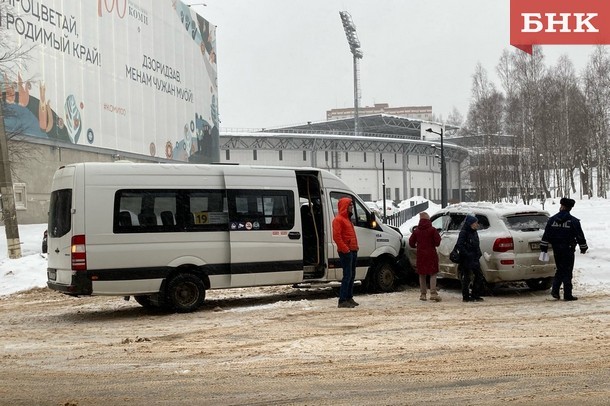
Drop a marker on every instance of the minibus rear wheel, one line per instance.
(186, 292)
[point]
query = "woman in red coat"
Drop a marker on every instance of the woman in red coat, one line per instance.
(426, 238)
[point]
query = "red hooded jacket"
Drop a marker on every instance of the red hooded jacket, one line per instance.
(344, 234)
(426, 238)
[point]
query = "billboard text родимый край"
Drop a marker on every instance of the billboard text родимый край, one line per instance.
(127, 75)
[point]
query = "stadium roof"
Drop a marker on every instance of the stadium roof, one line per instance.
(376, 125)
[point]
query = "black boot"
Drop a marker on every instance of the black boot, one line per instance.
(569, 298)
(567, 294)
(345, 304)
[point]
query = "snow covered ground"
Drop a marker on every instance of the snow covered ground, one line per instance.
(592, 270)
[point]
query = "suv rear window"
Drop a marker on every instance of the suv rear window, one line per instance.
(527, 222)
(60, 217)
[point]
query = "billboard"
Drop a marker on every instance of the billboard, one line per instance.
(138, 76)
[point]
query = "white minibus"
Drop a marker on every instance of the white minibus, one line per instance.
(166, 233)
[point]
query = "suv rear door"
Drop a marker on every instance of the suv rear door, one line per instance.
(526, 229)
(449, 225)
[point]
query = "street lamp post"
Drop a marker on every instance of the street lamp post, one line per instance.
(354, 46)
(383, 189)
(443, 170)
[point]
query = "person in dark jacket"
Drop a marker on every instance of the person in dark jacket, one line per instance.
(563, 232)
(469, 267)
(344, 236)
(426, 238)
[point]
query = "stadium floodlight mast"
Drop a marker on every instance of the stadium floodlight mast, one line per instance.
(443, 172)
(354, 47)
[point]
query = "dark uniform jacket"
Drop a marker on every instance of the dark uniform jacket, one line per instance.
(563, 232)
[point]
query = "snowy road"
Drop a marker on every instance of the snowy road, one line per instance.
(280, 346)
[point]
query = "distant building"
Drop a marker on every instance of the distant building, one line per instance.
(400, 148)
(417, 112)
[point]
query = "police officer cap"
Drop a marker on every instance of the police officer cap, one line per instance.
(568, 203)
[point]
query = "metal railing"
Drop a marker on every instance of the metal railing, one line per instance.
(399, 218)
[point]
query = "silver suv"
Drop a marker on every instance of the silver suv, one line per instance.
(509, 237)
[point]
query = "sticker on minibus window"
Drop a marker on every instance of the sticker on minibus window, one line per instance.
(204, 217)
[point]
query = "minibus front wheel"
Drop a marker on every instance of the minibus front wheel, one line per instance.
(186, 292)
(384, 277)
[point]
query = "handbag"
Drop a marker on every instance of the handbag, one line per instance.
(454, 255)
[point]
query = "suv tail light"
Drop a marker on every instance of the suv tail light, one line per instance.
(79, 253)
(504, 244)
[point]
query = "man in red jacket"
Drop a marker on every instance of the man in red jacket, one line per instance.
(344, 236)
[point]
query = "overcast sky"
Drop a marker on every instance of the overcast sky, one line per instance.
(284, 62)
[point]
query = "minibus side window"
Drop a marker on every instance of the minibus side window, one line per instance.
(360, 213)
(334, 201)
(261, 209)
(158, 211)
(206, 210)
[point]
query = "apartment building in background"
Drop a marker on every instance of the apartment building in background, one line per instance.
(423, 113)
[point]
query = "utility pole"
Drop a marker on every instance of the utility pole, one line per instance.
(9, 213)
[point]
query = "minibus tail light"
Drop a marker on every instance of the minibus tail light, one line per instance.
(79, 253)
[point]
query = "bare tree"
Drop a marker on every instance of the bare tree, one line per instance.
(12, 55)
(560, 124)
(528, 72)
(565, 115)
(485, 123)
(486, 105)
(512, 122)
(455, 118)
(597, 93)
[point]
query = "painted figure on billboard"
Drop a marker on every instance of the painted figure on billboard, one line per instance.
(147, 75)
(28, 115)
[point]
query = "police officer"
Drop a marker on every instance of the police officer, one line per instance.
(563, 232)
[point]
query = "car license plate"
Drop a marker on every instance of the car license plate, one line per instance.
(52, 274)
(535, 246)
